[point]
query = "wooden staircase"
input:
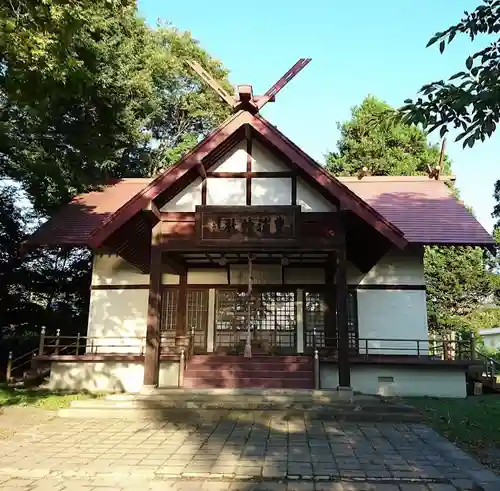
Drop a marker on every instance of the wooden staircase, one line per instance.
(258, 372)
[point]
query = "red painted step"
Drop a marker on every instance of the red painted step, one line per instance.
(260, 371)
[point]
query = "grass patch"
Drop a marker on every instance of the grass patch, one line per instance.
(471, 423)
(40, 398)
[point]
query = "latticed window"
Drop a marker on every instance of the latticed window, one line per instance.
(314, 318)
(169, 309)
(197, 315)
(315, 309)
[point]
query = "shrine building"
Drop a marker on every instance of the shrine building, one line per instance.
(247, 264)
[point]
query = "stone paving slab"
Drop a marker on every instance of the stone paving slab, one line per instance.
(244, 453)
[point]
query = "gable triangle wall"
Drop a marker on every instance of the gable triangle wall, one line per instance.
(265, 191)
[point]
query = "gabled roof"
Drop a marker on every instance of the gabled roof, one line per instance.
(424, 210)
(332, 187)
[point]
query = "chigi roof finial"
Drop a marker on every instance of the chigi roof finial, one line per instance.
(244, 98)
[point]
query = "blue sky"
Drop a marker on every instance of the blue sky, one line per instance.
(357, 48)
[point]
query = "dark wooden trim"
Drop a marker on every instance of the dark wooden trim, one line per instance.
(248, 137)
(204, 192)
(342, 318)
(119, 287)
(101, 357)
(228, 269)
(181, 325)
(294, 190)
(389, 287)
(153, 334)
(243, 175)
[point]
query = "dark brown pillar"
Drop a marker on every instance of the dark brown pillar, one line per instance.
(342, 322)
(330, 304)
(153, 335)
(181, 327)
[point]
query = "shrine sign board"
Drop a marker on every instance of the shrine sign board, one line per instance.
(247, 224)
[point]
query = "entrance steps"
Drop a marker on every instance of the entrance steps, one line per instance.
(192, 405)
(260, 371)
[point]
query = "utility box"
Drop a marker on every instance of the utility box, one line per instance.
(478, 388)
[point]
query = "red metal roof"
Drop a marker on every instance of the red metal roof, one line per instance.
(423, 209)
(78, 220)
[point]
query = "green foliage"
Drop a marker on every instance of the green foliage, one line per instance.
(85, 87)
(457, 283)
(457, 278)
(470, 99)
(372, 139)
(87, 92)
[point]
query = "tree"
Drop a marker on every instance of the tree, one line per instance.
(470, 99)
(457, 278)
(370, 140)
(86, 87)
(87, 92)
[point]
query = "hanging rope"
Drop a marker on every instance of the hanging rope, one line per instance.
(248, 345)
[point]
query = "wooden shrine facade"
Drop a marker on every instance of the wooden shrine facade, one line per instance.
(222, 237)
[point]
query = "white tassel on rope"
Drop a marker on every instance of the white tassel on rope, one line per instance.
(248, 345)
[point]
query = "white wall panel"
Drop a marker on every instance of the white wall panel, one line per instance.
(396, 315)
(233, 161)
(414, 381)
(271, 191)
(186, 200)
(117, 318)
(310, 200)
(395, 268)
(261, 274)
(111, 269)
(226, 192)
(265, 161)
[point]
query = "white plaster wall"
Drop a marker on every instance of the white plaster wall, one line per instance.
(233, 161)
(309, 200)
(264, 161)
(417, 381)
(111, 269)
(226, 191)
(117, 321)
(186, 200)
(271, 191)
(207, 277)
(397, 267)
(108, 376)
(391, 316)
(304, 276)
(262, 274)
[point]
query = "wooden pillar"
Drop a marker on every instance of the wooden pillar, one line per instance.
(153, 334)
(181, 331)
(342, 321)
(330, 304)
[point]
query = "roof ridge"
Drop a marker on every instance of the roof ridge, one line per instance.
(423, 178)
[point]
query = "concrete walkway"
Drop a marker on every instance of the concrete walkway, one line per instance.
(242, 453)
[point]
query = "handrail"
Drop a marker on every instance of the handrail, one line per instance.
(444, 349)
(492, 366)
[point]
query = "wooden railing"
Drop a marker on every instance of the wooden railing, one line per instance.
(90, 345)
(185, 356)
(437, 349)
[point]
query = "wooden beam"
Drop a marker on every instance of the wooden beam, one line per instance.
(289, 75)
(209, 80)
(152, 209)
(342, 320)
(174, 265)
(181, 327)
(152, 353)
(248, 138)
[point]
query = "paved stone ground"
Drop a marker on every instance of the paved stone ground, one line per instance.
(239, 454)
